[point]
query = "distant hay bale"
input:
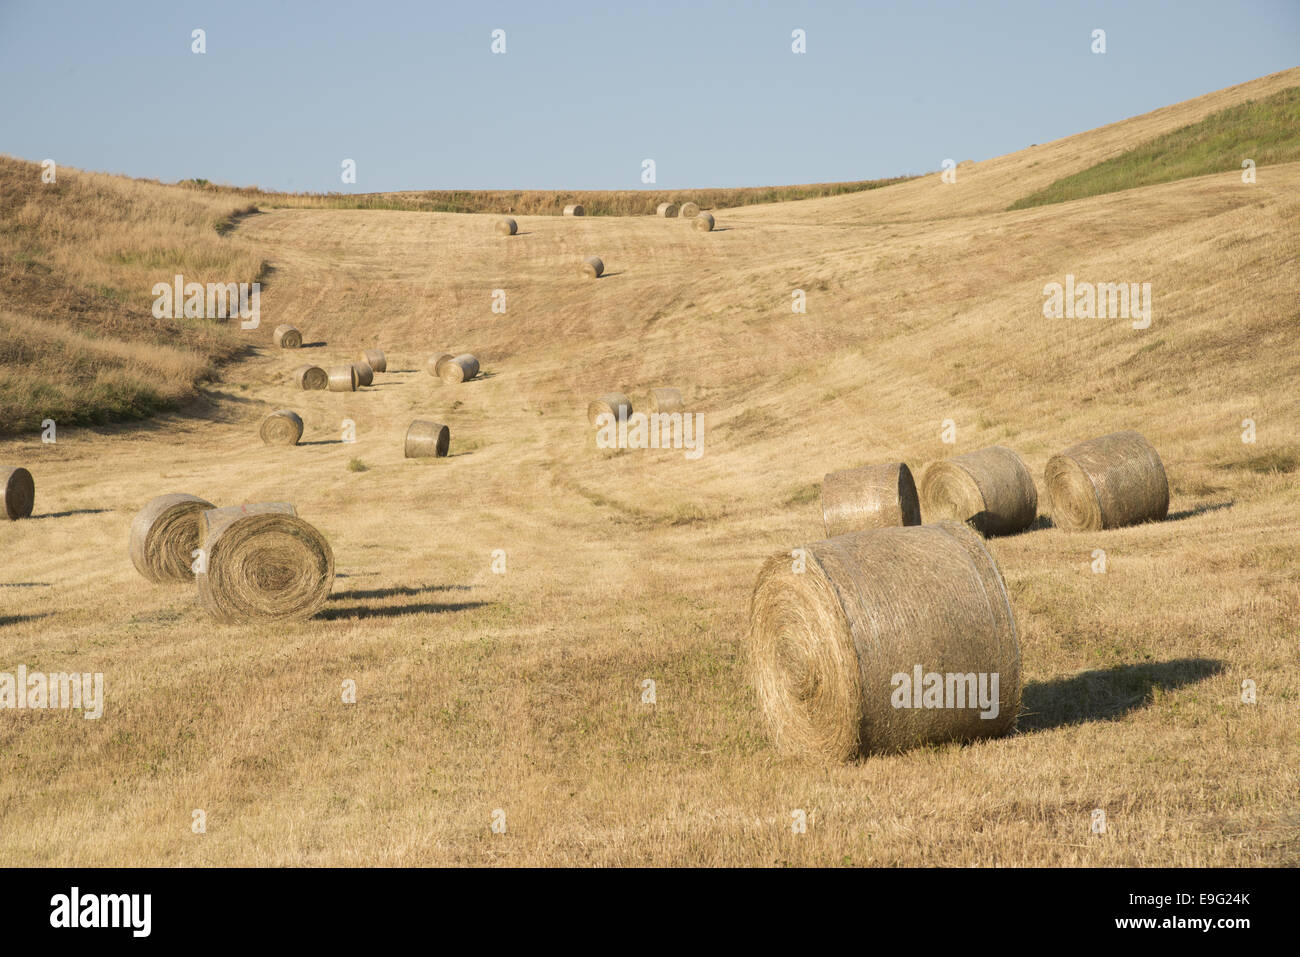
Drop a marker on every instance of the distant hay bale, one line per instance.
(593, 267)
(343, 379)
(365, 374)
(688, 210)
(287, 337)
(19, 492)
(460, 369)
(704, 222)
(311, 377)
(507, 226)
(434, 365)
(991, 490)
(668, 210)
(827, 642)
(612, 403)
(666, 401)
(375, 358)
(873, 496)
(263, 563)
(427, 439)
(1107, 482)
(281, 427)
(575, 209)
(164, 536)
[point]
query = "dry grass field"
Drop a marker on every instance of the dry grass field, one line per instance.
(522, 691)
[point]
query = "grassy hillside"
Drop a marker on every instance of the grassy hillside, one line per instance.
(1266, 131)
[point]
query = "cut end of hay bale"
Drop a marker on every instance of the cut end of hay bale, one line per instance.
(593, 267)
(375, 358)
(991, 490)
(19, 492)
(688, 210)
(507, 226)
(365, 374)
(1107, 482)
(427, 439)
(667, 210)
(287, 337)
(834, 644)
(343, 379)
(873, 496)
(434, 365)
(311, 377)
(164, 536)
(666, 400)
(704, 222)
(612, 403)
(575, 209)
(263, 563)
(281, 427)
(462, 368)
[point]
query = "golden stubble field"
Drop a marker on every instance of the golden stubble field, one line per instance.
(523, 691)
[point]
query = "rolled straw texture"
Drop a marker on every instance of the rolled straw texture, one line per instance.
(612, 403)
(19, 492)
(688, 210)
(164, 536)
(434, 365)
(427, 439)
(460, 369)
(593, 267)
(575, 209)
(281, 427)
(507, 226)
(1107, 482)
(991, 490)
(375, 358)
(365, 374)
(869, 497)
(826, 643)
(704, 222)
(311, 377)
(666, 400)
(287, 337)
(343, 379)
(667, 210)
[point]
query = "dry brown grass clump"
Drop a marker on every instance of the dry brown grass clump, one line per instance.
(343, 378)
(287, 337)
(1107, 482)
(281, 427)
(426, 439)
(989, 489)
(19, 492)
(827, 641)
(869, 497)
(462, 368)
(311, 377)
(375, 358)
(164, 536)
(593, 267)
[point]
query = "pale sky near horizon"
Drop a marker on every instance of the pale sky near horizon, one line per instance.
(711, 91)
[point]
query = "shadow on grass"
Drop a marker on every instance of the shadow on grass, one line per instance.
(366, 611)
(396, 590)
(1108, 694)
(24, 584)
(323, 442)
(75, 511)
(312, 345)
(1199, 510)
(19, 619)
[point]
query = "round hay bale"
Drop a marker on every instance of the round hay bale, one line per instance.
(667, 210)
(19, 492)
(873, 496)
(688, 210)
(434, 365)
(375, 358)
(311, 377)
(612, 403)
(507, 226)
(281, 427)
(287, 337)
(263, 563)
(592, 267)
(1107, 482)
(164, 535)
(343, 379)
(666, 401)
(427, 439)
(990, 489)
(704, 222)
(575, 209)
(460, 369)
(830, 645)
(365, 374)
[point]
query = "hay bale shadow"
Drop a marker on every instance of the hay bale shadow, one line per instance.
(395, 590)
(1103, 695)
(366, 611)
(1199, 510)
(19, 619)
(73, 511)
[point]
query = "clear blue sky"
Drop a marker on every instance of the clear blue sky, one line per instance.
(711, 91)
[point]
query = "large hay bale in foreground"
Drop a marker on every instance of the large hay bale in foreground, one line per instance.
(281, 427)
(507, 226)
(666, 400)
(164, 536)
(434, 365)
(365, 374)
(688, 210)
(575, 209)
(343, 379)
(427, 439)
(612, 403)
(1107, 482)
(263, 563)
(991, 490)
(460, 369)
(19, 492)
(873, 496)
(593, 267)
(704, 222)
(311, 377)
(375, 358)
(828, 642)
(287, 337)
(667, 210)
